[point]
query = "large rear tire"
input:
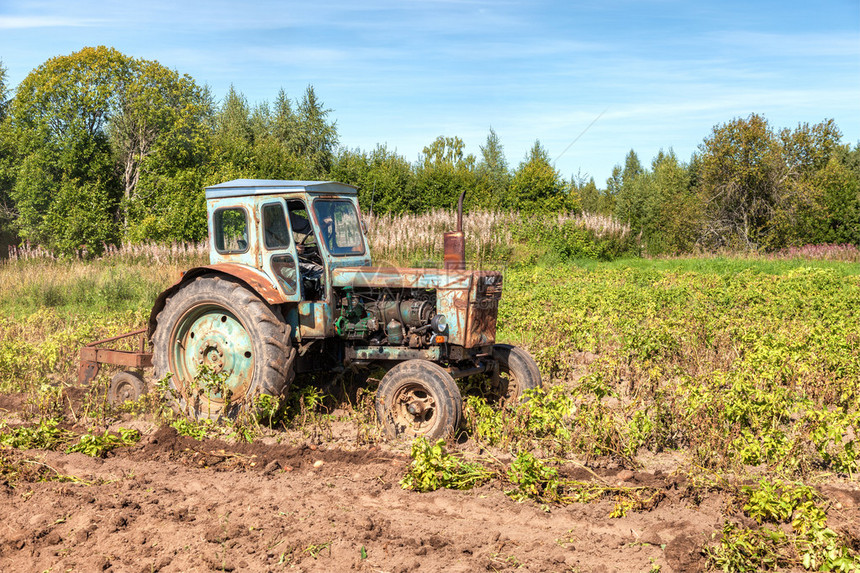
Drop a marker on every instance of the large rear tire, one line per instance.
(418, 398)
(223, 346)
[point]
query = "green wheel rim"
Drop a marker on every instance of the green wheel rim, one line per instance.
(210, 338)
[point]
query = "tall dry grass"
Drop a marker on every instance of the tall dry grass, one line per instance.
(193, 252)
(491, 236)
(843, 253)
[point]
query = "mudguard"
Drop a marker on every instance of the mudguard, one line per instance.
(254, 279)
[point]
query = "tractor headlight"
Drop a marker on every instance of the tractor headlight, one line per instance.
(439, 323)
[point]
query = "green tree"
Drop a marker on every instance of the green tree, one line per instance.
(6, 167)
(613, 189)
(234, 137)
(840, 188)
(629, 192)
(537, 186)
(59, 117)
(591, 199)
(4, 92)
(768, 190)
(315, 138)
(95, 130)
(632, 167)
(816, 196)
(741, 174)
(382, 176)
(659, 204)
(273, 144)
(160, 125)
(673, 215)
(443, 172)
(285, 124)
(807, 149)
(493, 175)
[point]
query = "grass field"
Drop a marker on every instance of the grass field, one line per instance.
(745, 371)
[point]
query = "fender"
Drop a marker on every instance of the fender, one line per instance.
(254, 279)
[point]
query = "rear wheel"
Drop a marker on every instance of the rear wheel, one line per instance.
(418, 398)
(223, 346)
(518, 372)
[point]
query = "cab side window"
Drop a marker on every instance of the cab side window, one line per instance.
(277, 235)
(231, 230)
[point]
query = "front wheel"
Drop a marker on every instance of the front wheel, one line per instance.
(518, 372)
(418, 398)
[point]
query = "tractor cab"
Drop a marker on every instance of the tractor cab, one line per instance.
(293, 232)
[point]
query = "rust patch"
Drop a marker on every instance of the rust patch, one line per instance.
(92, 357)
(484, 309)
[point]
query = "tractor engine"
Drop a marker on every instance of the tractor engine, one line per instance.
(405, 317)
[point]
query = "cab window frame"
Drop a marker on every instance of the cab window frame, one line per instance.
(287, 226)
(361, 238)
(218, 228)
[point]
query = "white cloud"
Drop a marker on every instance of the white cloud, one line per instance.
(23, 22)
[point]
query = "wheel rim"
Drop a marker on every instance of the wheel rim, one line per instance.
(212, 353)
(413, 409)
(126, 391)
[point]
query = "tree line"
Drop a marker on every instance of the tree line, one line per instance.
(97, 148)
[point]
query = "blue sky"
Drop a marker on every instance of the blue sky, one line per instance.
(662, 72)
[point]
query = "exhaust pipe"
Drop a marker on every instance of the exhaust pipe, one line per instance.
(455, 243)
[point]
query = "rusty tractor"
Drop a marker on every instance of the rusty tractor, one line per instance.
(290, 288)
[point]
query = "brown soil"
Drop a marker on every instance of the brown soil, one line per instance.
(171, 503)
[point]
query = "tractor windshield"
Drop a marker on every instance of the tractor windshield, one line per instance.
(341, 231)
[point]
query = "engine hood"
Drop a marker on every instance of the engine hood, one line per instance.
(396, 277)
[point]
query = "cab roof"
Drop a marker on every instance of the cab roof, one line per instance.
(246, 187)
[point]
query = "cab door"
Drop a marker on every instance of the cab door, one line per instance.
(279, 250)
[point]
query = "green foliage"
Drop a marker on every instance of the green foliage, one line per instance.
(775, 501)
(743, 549)
(543, 419)
(493, 175)
(86, 118)
(98, 148)
(807, 542)
(98, 445)
(443, 172)
(46, 435)
(533, 480)
(383, 177)
(733, 364)
(3, 91)
(572, 239)
(537, 187)
(197, 429)
(433, 468)
(285, 143)
(769, 190)
(268, 408)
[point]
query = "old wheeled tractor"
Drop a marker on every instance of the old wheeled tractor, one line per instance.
(291, 288)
